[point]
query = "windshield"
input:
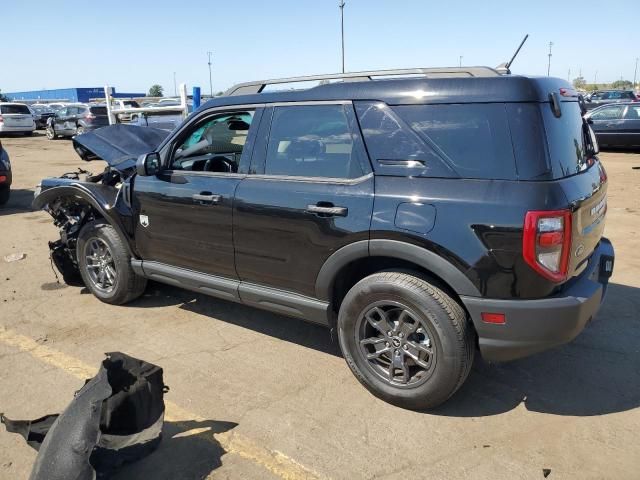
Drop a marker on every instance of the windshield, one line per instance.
(14, 109)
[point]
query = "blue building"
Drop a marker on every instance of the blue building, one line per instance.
(77, 94)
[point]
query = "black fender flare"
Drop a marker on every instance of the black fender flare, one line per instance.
(395, 249)
(103, 203)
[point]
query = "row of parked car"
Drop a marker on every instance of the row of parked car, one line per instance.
(614, 116)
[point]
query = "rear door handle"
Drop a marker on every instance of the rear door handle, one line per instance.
(328, 210)
(206, 198)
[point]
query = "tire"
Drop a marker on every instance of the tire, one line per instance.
(50, 132)
(431, 339)
(80, 130)
(5, 193)
(114, 256)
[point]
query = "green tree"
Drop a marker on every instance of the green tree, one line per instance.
(3, 98)
(622, 84)
(580, 83)
(155, 91)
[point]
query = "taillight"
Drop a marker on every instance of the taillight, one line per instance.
(89, 116)
(546, 242)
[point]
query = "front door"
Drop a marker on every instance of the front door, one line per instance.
(607, 124)
(184, 213)
(310, 192)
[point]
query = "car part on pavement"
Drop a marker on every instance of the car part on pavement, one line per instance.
(114, 419)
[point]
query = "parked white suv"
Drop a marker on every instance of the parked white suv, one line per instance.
(16, 117)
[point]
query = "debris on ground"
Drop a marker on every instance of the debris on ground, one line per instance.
(546, 472)
(14, 257)
(114, 419)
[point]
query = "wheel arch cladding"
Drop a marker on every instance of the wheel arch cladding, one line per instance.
(394, 249)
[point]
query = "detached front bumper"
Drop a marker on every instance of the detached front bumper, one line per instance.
(532, 326)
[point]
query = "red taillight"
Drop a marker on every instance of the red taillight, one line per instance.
(546, 241)
(497, 318)
(3, 179)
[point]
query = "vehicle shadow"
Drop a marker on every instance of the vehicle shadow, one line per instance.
(278, 326)
(188, 451)
(19, 202)
(596, 374)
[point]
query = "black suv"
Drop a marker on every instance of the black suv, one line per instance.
(418, 217)
(76, 120)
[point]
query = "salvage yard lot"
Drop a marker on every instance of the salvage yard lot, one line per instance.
(257, 395)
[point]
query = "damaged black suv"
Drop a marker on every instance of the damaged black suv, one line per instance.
(420, 213)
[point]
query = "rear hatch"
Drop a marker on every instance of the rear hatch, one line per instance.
(583, 179)
(16, 115)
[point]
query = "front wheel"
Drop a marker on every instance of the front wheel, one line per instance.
(105, 264)
(50, 132)
(406, 340)
(80, 130)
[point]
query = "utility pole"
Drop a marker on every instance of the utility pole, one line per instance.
(549, 63)
(341, 6)
(210, 82)
(175, 87)
(635, 73)
(460, 61)
(569, 76)
(595, 79)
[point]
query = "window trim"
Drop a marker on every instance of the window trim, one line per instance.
(259, 157)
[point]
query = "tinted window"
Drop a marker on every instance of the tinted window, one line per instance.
(312, 141)
(565, 137)
(607, 113)
(389, 138)
(633, 113)
(99, 110)
(15, 109)
(214, 145)
(474, 137)
(529, 144)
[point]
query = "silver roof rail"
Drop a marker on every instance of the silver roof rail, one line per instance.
(258, 86)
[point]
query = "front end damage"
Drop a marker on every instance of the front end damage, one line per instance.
(77, 198)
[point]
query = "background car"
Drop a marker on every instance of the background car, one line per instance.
(76, 120)
(605, 97)
(16, 118)
(41, 113)
(616, 125)
(5, 176)
(125, 104)
(163, 120)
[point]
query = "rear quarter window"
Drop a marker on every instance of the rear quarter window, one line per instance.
(565, 137)
(474, 138)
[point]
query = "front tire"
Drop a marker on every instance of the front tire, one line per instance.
(80, 130)
(105, 265)
(50, 132)
(406, 340)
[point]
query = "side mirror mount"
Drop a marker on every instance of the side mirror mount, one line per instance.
(148, 164)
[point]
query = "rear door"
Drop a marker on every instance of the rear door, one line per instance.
(60, 120)
(631, 125)
(16, 116)
(309, 192)
(608, 124)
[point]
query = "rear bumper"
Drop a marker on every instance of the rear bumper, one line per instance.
(27, 128)
(535, 325)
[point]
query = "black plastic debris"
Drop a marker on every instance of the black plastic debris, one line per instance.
(546, 472)
(116, 418)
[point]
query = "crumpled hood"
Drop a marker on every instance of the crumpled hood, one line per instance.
(119, 145)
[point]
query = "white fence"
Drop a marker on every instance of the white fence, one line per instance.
(112, 112)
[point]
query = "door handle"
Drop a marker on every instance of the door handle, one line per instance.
(325, 209)
(206, 198)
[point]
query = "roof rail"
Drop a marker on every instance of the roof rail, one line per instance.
(258, 86)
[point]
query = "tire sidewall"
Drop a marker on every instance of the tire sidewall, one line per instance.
(106, 233)
(443, 380)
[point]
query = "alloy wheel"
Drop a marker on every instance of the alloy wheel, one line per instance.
(101, 267)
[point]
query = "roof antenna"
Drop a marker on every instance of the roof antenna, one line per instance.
(503, 68)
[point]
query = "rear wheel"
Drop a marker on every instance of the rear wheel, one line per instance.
(5, 193)
(406, 340)
(80, 130)
(105, 264)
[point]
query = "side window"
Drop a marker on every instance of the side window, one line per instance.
(633, 113)
(62, 112)
(312, 141)
(607, 113)
(213, 145)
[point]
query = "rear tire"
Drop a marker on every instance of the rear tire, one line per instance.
(80, 130)
(50, 132)
(105, 264)
(406, 340)
(5, 193)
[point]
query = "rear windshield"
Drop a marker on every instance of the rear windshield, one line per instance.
(99, 110)
(12, 109)
(566, 139)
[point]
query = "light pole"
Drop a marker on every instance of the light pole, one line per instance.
(460, 61)
(549, 62)
(210, 82)
(341, 6)
(175, 87)
(595, 79)
(635, 73)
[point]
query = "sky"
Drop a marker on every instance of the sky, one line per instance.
(134, 44)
